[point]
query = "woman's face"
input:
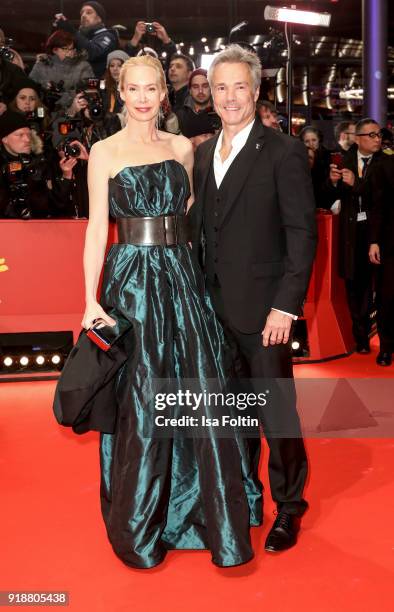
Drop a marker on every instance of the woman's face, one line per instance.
(114, 68)
(26, 100)
(311, 140)
(141, 93)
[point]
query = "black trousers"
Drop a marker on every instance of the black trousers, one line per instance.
(287, 464)
(359, 289)
(385, 303)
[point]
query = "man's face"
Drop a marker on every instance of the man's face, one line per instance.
(89, 17)
(369, 140)
(348, 137)
(18, 142)
(200, 90)
(268, 118)
(233, 95)
(178, 72)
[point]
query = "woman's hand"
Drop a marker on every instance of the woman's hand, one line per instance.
(95, 311)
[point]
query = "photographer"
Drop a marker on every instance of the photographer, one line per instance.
(111, 98)
(154, 29)
(29, 187)
(92, 35)
(10, 75)
(60, 71)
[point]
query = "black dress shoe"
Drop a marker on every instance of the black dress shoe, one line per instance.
(363, 348)
(384, 358)
(283, 533)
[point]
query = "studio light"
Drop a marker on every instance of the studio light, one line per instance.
(191, 51)
(204, 40)
(24, 361)
(206, 60)
(295, 345)
(287, 15)
(8, 361)
(56, 359)
(40, 360)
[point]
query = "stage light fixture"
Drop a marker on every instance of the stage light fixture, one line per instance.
(40, 360)
(8, 361)
(204, 40)
(24, 361)
(56, 359)
(295, 345)
(191, 51)
(272, 13)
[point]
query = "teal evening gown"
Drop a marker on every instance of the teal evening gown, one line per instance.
(180, 492)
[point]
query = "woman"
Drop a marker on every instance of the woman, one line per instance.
(111, 100)
(27, 100)
(158, 493)
(61, 64)
(319, 161)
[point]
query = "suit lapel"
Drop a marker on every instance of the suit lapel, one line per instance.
(242, 165)
(204, 169)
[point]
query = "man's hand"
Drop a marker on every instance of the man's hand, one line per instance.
(335, 174)
(348, 177)
(374, 253)
(161, 33)
(78, 104)
(277, 328)
(66, 165)
(140, 30)
(83, 154)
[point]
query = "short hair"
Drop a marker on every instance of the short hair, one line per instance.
(188, 60)
(59, 38)
(266, 104)
(341, 127)
(363, 122)
(235, 54)
(144, 60)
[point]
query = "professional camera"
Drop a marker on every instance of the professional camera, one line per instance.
(150, 28)
(7, 53)
(52, 94)
(18, 175)
(91, 93)
(68, 129)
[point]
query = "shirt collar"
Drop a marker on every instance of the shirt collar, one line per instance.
(360, 156)
(239, 139)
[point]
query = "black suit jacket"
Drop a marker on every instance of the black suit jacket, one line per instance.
(267, 231)
(381, 218)
(349, 197)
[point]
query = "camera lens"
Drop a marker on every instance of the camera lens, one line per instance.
(72, 150)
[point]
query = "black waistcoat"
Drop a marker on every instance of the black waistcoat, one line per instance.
(213, 206)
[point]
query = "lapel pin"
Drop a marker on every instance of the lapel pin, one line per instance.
(258, 146)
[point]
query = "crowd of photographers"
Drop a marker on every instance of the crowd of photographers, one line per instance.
(51, 115)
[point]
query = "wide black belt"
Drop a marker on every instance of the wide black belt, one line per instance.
(166, 230)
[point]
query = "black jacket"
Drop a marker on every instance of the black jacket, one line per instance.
(349, 197)
(267, 230)
(381, 218)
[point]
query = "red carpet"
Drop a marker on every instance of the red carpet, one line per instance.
(53, 538)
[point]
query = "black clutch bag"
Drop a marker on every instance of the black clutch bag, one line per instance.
(105, 336)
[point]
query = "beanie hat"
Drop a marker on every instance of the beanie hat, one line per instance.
(10, 122)
(198, 72)
(25, 83)
(100, 10)
(117, 54)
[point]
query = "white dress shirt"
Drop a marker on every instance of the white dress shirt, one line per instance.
(220, 167)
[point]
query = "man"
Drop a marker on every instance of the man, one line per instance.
(180, 69)
(197, 117)
(351, 185)
(28, 187)
(345, 135)
(254, 202)
(381, 253)
(268, 114)
(92, 35)
(134, 45)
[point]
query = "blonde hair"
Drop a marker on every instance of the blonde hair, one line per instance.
(143, 60)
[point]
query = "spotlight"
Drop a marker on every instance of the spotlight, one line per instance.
(56, 359)
(40, 360)
(204, 40)
(181, 44)
(295, 345)
(206, 49)
(164, 54)
(8, 361)
(191, 51)
(272, 13)
(24, 361)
